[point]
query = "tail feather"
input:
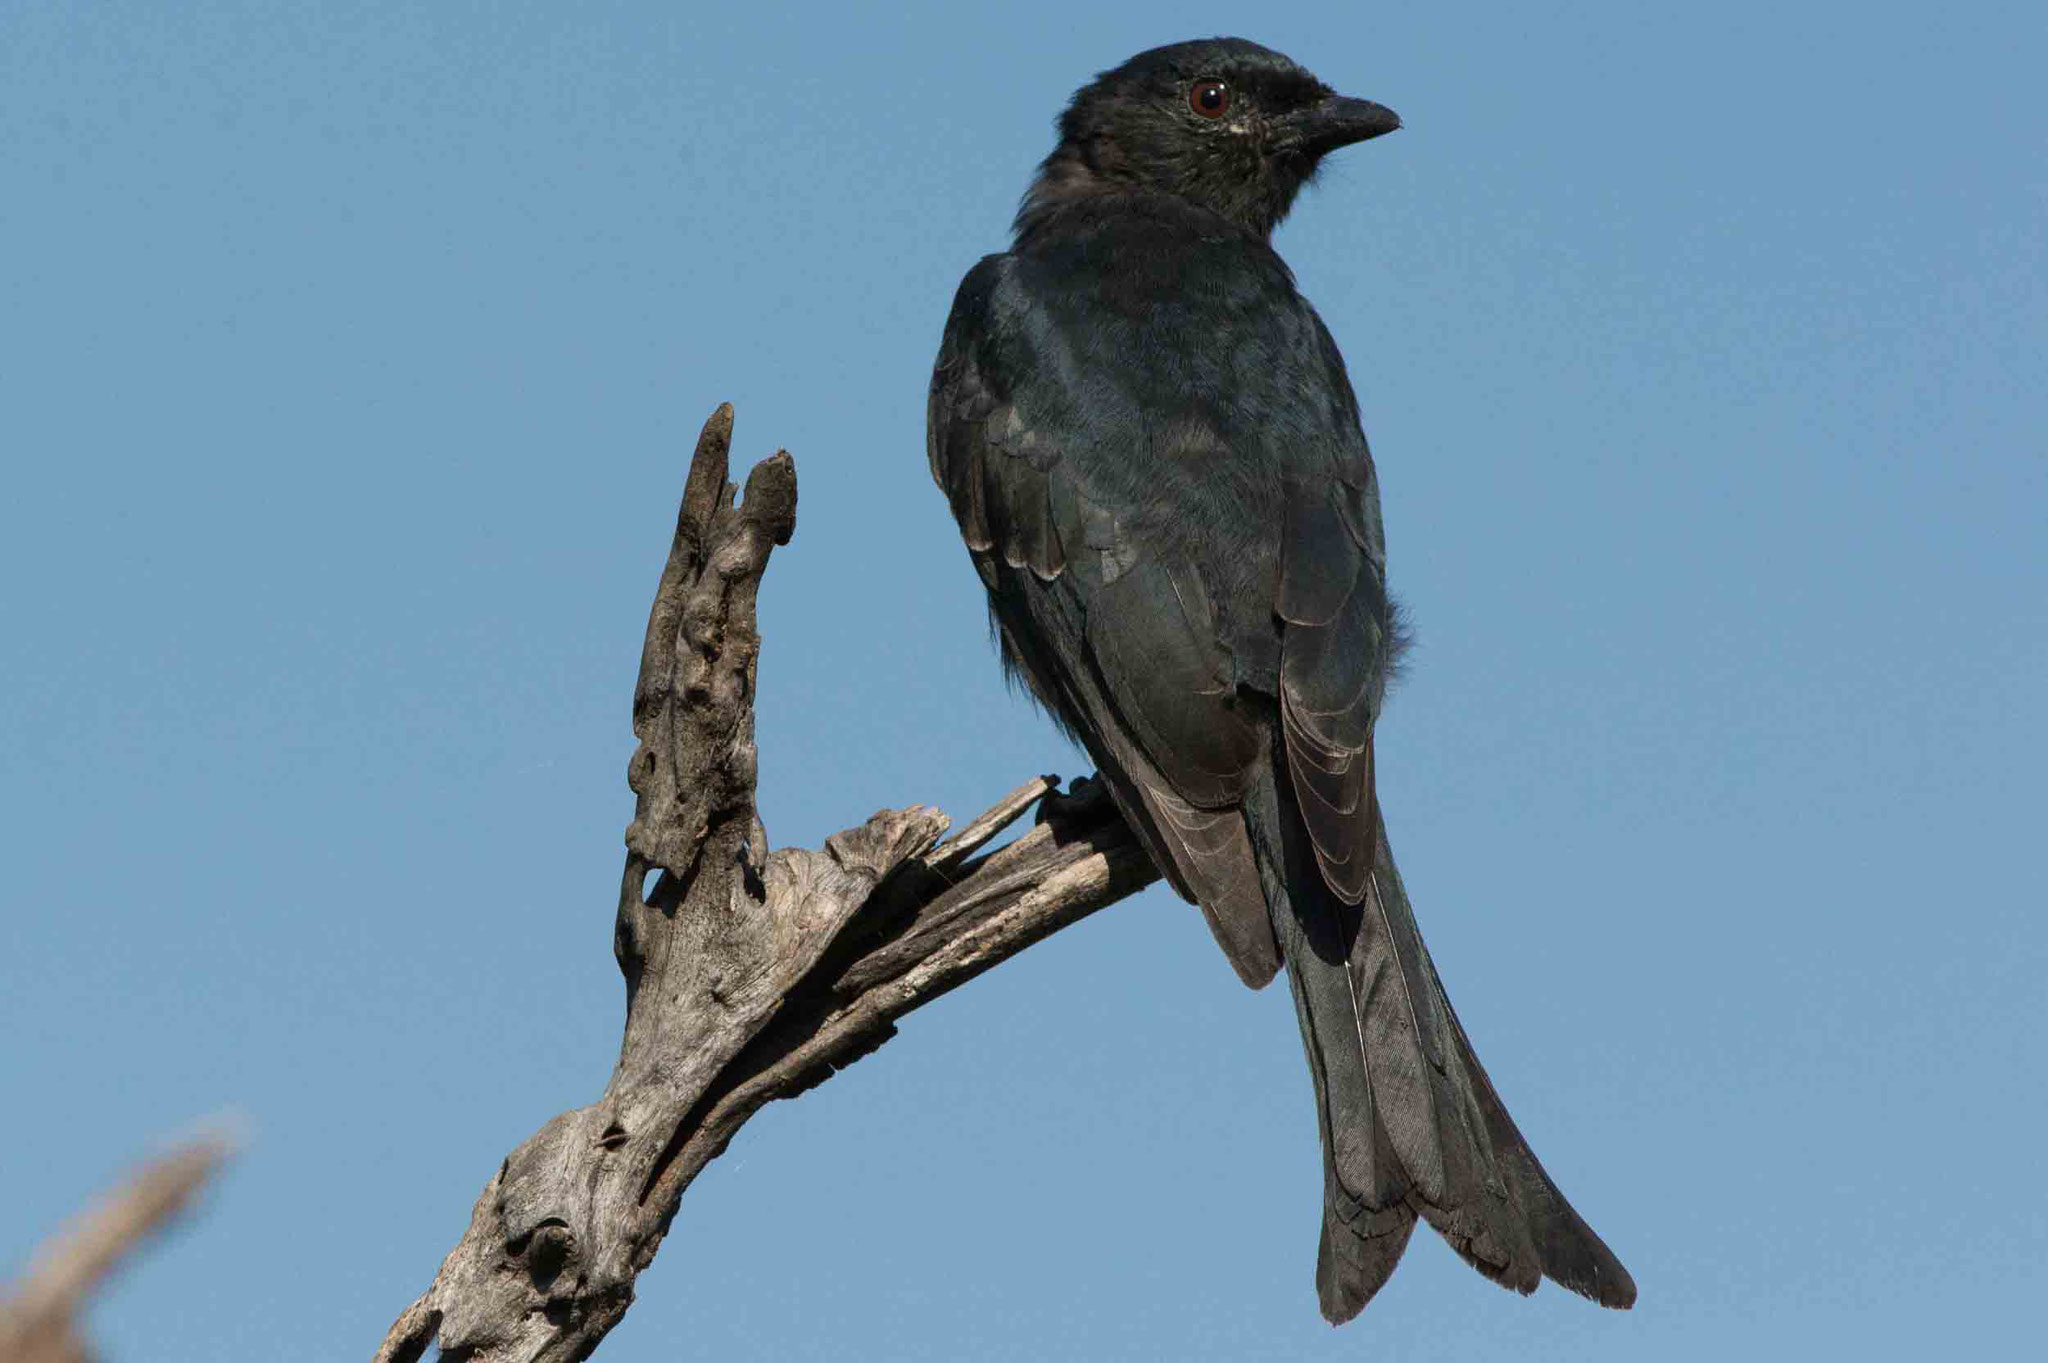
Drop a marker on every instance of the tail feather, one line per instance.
(1470, 1205)
(1357, 1250)
(1411, 1125)
(1572, 1253)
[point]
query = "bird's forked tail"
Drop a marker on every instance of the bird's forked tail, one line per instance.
(1411, 1125)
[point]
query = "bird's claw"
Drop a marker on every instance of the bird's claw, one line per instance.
(1085, 799)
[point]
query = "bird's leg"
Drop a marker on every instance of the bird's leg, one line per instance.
(1085, 801)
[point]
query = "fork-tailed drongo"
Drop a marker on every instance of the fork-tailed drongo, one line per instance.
(1153, 451)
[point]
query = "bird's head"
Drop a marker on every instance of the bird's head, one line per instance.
(1221, 122)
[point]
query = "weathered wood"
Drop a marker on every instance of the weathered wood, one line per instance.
(39, 1321)
(749, 975)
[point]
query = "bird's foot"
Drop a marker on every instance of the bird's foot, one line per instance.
(1085, 800)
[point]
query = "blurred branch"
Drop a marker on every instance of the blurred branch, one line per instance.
(39, 1320)
(749, 975)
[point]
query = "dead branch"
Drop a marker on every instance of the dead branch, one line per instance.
(39, 1321)
(749, 975)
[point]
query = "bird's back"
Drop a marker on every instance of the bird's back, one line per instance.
(1167, 361)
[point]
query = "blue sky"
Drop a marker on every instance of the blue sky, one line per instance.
(349, 361)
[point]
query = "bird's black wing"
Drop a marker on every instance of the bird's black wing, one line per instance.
(1337, 645)
(1119, 640)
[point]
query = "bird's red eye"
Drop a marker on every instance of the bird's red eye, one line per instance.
(1209, 98)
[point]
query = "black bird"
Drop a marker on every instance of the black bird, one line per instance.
(1154, 454)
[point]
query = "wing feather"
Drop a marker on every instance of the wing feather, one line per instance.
(1103, 630)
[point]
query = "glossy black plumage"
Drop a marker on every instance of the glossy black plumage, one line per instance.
(1154, 454)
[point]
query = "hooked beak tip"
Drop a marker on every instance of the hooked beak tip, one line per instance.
(1361, 119)
(1338, 122)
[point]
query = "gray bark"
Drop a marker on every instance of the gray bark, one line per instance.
(750, 975)
(40, 1316)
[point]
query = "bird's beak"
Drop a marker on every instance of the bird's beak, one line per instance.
(1336, 121)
